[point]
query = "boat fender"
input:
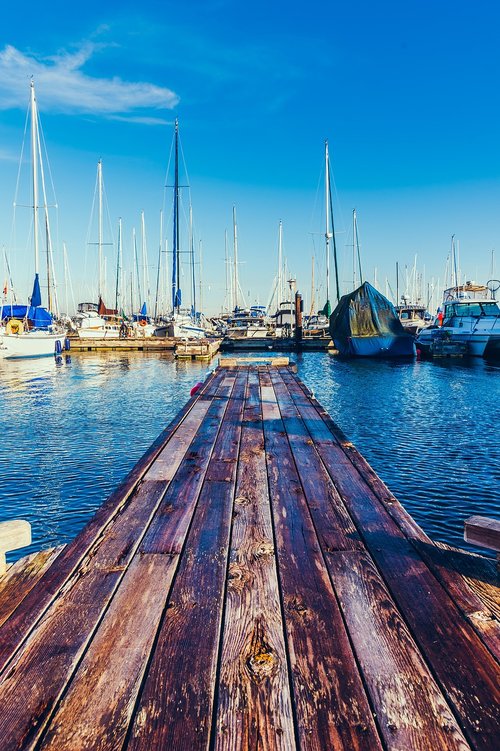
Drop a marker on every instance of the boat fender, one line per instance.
(14, 326)
(67, 344)
(195, 388)
(58, 347)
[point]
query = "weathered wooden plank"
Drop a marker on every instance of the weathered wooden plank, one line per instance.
(465, 669)
(454, 574)
(167, 532)
(180, 681)
(472, 583)
(72, 619)
(35, 679)
(16, 629)
(97, 708)
(478, 572)
(224, 457)
(21, 577)
(232, 362)
(334, 526)
(176, 704)
(312, 410)
(331, 705)
(130, 625)
(254, 705)
(483, 531)
(411, 711)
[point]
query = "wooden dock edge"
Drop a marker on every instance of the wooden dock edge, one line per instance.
(14, 534)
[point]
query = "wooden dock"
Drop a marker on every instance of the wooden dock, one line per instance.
(277, 344)
(197, 349)
(252, 585)
(127, 344)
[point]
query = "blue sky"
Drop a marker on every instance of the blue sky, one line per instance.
(407, 95)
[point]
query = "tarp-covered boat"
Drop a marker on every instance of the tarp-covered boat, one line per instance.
(365, 324)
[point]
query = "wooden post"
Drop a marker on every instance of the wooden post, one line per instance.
(298, 318)
(13, 535)
(485, 532)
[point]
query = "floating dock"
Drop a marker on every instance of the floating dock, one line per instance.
(159, 344)
(197, 349)
(252, 584)
(277, 344)
(127, 344)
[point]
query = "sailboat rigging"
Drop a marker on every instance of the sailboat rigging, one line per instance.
(28, 330)
(184, 324)
(329, 235)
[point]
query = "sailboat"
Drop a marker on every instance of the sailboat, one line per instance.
(95, 320)
(364, 322)
(29, 330)
(184, 324)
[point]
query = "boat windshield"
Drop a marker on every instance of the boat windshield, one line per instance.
(474, 309)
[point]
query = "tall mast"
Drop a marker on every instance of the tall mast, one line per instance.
(454, 260)
(193, 278)
(99, 232)
(175, 248)
(328, 234)
(354, 249)
(355, 241)
(313, 304)
(280, 264)
(226, 263)
(118, 265)
(159, 264)
(145, 272)
(47, 242)
(34, 161)
(201, 280)
(136, 264)
(235, 241)
(65, 259)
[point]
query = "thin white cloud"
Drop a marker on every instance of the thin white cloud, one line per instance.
(142, 120)
(6, 156)
(64, 87)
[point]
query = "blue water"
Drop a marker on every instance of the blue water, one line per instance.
(70, 433)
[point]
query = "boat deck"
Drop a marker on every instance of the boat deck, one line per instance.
(252, 585)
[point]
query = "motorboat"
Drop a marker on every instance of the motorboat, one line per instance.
(471, 318)
(414, 317)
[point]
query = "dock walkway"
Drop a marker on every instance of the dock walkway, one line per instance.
(252, 585)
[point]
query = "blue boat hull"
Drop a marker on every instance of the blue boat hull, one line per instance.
(377, 346)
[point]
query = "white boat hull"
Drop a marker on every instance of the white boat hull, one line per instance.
(99, 333)
(476, 343)
(30, 344)
(180, 331)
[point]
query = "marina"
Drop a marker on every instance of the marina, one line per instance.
(250, 457)
(287, 608)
